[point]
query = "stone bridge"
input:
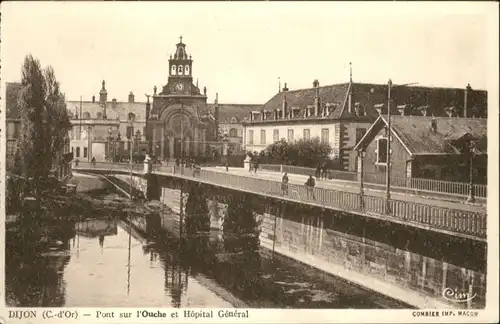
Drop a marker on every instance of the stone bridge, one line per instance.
(336, 231)
(453, 219)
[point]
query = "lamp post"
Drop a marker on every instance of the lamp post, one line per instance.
(472, 154)
(389, 136)
(110, 139)
(118, 140)
(138, 138)
(361, 155)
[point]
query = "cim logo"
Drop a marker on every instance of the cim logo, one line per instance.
(453, 295)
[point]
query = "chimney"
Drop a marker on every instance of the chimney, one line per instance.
(434, 125)
(284, 106)
(285, 89)
(316, 98)
(467, 89)
(93, 99)
(131, 97)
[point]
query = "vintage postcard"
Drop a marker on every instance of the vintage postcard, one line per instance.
(249, 162)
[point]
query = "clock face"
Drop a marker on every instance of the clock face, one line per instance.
(179, 86)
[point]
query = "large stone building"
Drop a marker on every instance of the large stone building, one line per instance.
(181, 118)
(340, 114)
(61, 166)
(106, 129)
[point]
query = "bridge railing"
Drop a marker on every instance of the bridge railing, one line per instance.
(454, 188)
(459, 221)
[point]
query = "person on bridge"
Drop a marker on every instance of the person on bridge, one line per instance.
(93, 162)
(255, 165)
(324, 170)
(317, 172)
(310, 183)
(284, 184)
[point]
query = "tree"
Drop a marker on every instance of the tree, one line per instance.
(32, 140)
(307, 153)
(197, 216)
(44, 123)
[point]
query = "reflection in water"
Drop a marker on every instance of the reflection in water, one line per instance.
(111, 263)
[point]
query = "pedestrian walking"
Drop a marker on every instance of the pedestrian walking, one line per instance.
(227, 165)
(324, 170)
(317, 172)
(93, 162)
(256, 165)
(310, 183)
(284, 184)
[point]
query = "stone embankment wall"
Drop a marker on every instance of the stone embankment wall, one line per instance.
(410, 277)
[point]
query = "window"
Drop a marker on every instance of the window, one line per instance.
(186, 70)
(73, 151)
(250, 137)
(174, 70)
(85, 152)
(325, 135)
(262, 136)
(276, 135)
(360, 132)
(144, 132)
(78, 152)
(179, 71)
(86, 115)
(99, 115)
(72, 133)
(307, 134)
(131, 116)
(382, 150)
(233, 132)
(290, 135)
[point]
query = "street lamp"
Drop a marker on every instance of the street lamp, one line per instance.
(138, 138)
(110, 139)
(389, 136)
(472, 154)
(117, 147)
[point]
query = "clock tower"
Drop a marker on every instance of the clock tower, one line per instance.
(179, 124)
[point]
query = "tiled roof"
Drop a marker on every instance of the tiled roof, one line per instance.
(113, 110)
(416, 134)
(228, 111)
(12, 90)
(369, 95)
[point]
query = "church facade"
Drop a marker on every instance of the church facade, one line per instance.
(179, 123)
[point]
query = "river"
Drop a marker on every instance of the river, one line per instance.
(107, 262)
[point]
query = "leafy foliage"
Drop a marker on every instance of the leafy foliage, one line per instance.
(240, 227)
(306, 153)
(44, 125)
(197, 216)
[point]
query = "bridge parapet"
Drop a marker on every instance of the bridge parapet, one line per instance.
(461, 223)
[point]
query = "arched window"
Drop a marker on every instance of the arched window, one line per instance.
(86, 115)
(179, 71)
(99, 115)
(174, 70)
(233, 132)
(186, 70)
(131, 116)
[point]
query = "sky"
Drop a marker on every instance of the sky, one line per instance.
(241, 49)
